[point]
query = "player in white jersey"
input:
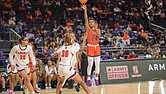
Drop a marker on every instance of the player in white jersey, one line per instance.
(65, 68)
(76, 47)
(76, 61)
(14, 77)
(22, 52)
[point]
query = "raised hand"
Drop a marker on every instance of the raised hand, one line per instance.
(85, 36)
(96, 26)
(84, 7)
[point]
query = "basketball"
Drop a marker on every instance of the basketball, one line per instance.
(83, 1)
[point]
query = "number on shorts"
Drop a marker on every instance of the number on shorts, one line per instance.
(22, 57)
(65, 53)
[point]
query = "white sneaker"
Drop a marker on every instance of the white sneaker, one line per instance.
(38, 88)
(33, 92)
(11, 92)
(49, 87)
(46, 87)
(25, 90)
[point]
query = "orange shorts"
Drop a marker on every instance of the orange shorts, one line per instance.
(93, 50)
(31, 67)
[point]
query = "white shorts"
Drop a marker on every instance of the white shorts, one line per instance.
(66, 71)
(21, 67)
(51, 75)
(73, 63)
(9, 71)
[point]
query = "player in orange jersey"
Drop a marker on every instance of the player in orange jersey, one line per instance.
(93, 48)
(33, 75)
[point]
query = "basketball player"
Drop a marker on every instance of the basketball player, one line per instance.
(76, 60)
(22, 53)
(93, 48)
(14, 77)
(65, 69)
(33, 75)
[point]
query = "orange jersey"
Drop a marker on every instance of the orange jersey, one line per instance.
(92, 37)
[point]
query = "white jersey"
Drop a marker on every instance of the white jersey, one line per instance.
(66, 54)
(75, 47)
(22, 55)
(50, 70)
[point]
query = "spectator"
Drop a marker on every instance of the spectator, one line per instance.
(156, 48)
(68, 28)
(3, 58)
(19, 29)
(44, 51)
(2, 80)
(70, 22)
(121, 55)
(7, 5)
(106, 56)
(38, 13)
(121, 44)
(156, 51)
(77, 19)
(106, 42)
(148, 53)
(12, 21)
(51, 74)
(48, 12)
(156, 54)
(46, 19)
(50, 51)
(28, 6)
(82, 27)
(12, 13)
(118, 37)
(126, 38)
(22, 8)
(30, 35)
(78, 30)
(29, 17)
(132, 55)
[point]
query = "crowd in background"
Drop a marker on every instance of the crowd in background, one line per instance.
(123, 24)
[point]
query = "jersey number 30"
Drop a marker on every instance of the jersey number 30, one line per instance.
(65, 53)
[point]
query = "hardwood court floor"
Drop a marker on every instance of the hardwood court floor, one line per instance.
(149, 87)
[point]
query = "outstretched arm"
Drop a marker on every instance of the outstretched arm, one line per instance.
(54, 54)
(86, 17)
(83, 43)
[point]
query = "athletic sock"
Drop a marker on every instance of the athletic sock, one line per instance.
(97, 78)
(88, 78)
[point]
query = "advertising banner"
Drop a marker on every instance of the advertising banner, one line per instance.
(122, 71)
